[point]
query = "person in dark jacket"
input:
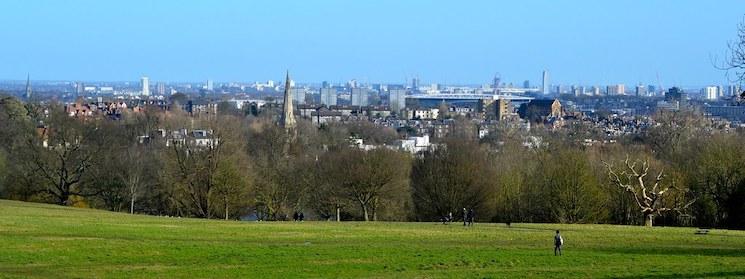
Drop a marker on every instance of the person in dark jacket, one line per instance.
(558, 241)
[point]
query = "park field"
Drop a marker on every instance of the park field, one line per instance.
(47, 241)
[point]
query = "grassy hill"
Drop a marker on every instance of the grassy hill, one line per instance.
(42, 241)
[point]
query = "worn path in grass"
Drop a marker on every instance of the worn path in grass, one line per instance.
(47, 241)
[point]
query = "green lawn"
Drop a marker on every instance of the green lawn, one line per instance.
(43, 241)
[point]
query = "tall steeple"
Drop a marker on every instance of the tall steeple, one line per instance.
(288, 117)
(28, 87)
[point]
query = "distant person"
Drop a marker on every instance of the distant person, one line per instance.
(450, 217)
(465, 217)
(294, 216)
(301, 216)
(558, 241)
(471, 216)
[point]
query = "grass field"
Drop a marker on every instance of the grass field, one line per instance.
(47, 241)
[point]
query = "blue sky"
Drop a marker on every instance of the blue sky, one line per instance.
(457, 42)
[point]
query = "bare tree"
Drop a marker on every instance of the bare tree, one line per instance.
(649, 199)
(451, 177)
(195, 165)
(368, 176)
(736, 55)
(672, 130)
(570, 187)
(66, 159)
(328, 195)
(230, 187)
(133, 176)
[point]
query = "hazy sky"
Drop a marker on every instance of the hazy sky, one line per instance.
(583, 42)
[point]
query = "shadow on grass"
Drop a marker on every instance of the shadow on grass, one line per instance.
(687, 275)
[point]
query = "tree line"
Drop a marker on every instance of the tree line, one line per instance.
(681, 171)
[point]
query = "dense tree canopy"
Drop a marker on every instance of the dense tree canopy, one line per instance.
(233, 165)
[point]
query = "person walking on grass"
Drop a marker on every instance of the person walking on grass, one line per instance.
(558, 241)
(465, 217)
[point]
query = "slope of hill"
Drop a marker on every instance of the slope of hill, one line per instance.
(47, 241)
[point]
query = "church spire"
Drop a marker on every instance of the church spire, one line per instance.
(288, 117)
(28, 86)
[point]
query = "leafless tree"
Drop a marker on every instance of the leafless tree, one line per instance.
(736, 54)
(650, 200)
(66, 159)
(133, 175)
(329, 198)
(195, 165)
(230, 187)
(366, 177)
(451, 177)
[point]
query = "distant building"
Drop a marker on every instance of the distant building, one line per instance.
(675, 94)
(328, 96)
(710, 92)
(352, 83)
(79, 109)
(323, 116)
(526, 84)
(305, 111)
(397, 100)
(733, 90)
(414, 144)
(578, 90)
(359, 97)
(502, 108)
(617, 89)
(200, 108)
(161, 88)
(145, 82)
(731, 113)
(209, 85)
(440, 130)
(640, 90)
(79, 89)
(423, 113)
(595, 91)
(298, 95)
(434, 88)
(538, 110)
(720, 91)
(545, 84)
(203, 138)
(652, 90)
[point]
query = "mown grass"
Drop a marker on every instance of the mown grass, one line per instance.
(46, 241)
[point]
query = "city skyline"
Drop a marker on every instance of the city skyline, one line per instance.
(380, 42)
